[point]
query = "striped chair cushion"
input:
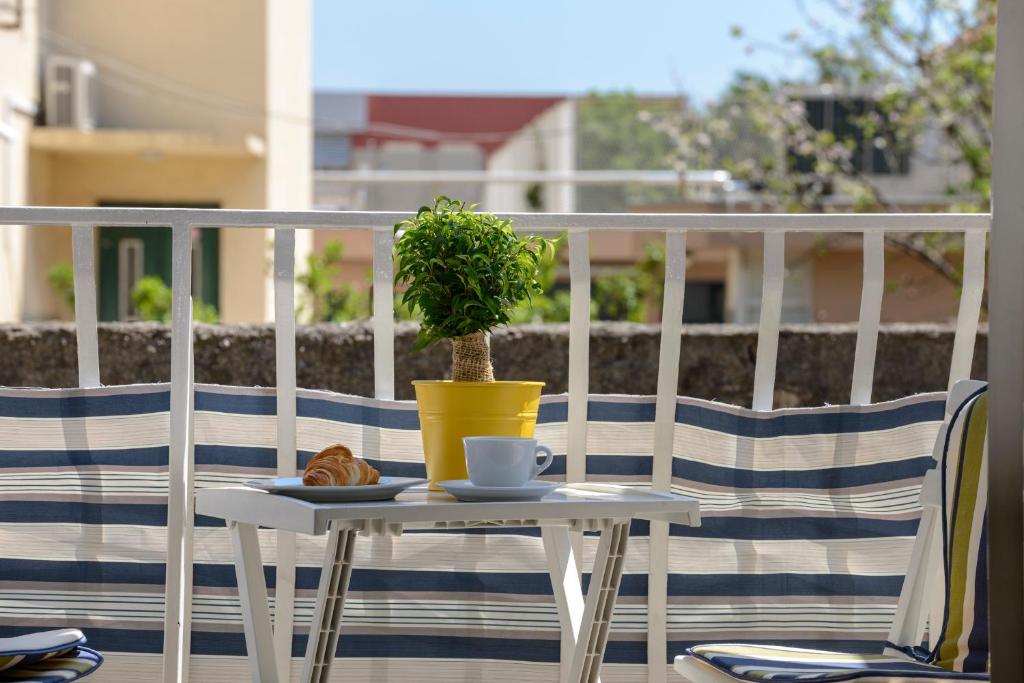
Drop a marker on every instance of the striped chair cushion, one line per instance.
(66, 666)
(83, 510)
(35, 647)
(963, 641)
(767, 663)
(809, 515)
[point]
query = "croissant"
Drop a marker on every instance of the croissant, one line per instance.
(336, 466)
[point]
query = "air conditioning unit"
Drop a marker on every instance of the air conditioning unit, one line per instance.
(70, 87)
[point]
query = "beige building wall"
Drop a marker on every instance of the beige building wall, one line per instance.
(87, 180)
(171, 65)
(199, 103)
(913, 292)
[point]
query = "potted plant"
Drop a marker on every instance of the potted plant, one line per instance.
(465, 272)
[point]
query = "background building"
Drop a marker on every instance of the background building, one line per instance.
(200, 104)
(395, 153)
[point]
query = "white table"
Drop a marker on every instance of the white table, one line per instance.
(573, 508)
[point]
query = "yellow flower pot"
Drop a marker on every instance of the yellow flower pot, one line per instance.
(450, 411)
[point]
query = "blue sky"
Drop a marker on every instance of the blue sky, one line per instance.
(544, 46)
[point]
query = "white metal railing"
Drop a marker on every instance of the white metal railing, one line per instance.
(774, 227)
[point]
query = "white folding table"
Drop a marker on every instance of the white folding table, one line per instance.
(574, 508)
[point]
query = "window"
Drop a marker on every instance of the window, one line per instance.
(704, 302)
(841, 117)
(332, 152)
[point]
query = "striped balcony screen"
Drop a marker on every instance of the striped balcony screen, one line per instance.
(83, 517)
(809, 517)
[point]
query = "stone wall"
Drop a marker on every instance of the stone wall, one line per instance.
(717, 361)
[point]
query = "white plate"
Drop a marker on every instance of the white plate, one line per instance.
(386, 489)
(466, 491)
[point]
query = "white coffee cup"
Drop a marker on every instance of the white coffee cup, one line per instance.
(504, 460)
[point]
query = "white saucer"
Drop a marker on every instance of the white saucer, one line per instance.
(386, 489)
(466, 491)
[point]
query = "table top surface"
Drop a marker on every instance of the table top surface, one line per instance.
(587, 503)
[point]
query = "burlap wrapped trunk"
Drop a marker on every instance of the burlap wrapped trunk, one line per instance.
(471, 358)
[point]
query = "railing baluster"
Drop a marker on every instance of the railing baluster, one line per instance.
(664, 432)
(284, 335)
(771, 316)
(383, 314)
(872, 288)
(178, 594)
(579, 377)
(970, 307)
(383, 351)
(579, 355)
(83, 254)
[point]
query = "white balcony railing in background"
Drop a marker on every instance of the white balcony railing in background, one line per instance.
(774, 227)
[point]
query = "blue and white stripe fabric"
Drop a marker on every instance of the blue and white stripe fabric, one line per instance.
(469, 601)
(809, 516)
(63, 667)
(960, 652)
(83, 510)
(767, 663)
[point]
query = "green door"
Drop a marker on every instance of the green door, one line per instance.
(129, 254)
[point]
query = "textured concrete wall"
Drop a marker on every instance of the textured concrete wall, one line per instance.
(717, 361)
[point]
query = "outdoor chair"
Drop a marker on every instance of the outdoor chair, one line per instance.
(47, 657)
(954, 503)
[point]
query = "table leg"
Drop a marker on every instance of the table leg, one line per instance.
(330, 602)
(252, 593)
(565, 583)
(586, 622)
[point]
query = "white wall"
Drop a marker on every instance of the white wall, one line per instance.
(289, 105)
(548, 143)
(413, 156)
(932, 171)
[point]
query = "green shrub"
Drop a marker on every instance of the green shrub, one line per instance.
(153, 300)
(325, 297)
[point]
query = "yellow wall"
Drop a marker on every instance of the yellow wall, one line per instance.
(70, 180)
(17, 79)
(173, 64)
(234, 71)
